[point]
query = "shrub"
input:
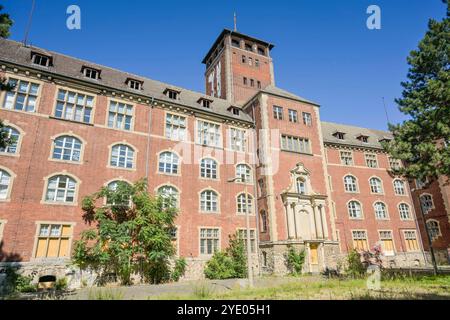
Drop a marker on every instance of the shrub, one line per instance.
(15, 282)
(179, 269)
(61, 284)
(355, 267)
(236, 251)
(220, 266)
(295, 260)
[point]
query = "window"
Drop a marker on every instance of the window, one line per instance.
(120, 116)
(74, 106)
(411, 240)
(259, 84)
(363, 138)
(244, 59)
(277, 113)
(209, 241)
(208, 134)
(67, 148)
(242, 234)
(394, 164)
(5, 180)
(242, 206)
(175, 127)
(347, 158)
(61, 189)
(122, 156)
(261, 51)
(427, 203)
(205, 103)
(117, 200)
(293, 117)
(244, 173)
(360, 240)
(252, 83)
(405, 213)
(168, 163)
(91, 73)
(245, 81)
(380, 211)
(170, 196)
(295, 144)
(434, 229)
(371, 160)
(238, 140)
(12, 136)
(376, 185)
(263, 221)
(257, 63)
(41, 60)
(422, 183)
(22, 97)
(387, 243)
(339, 135)
(208, 169)
(301, 186)
(399, 187)
(248, 47)
(250, 61)
(235, 43)
(307, 119)
(264, 259)
(172, 94)
(134, 84)
(53, 241)
(354, 210)
(350, 184)
(234, 111)
(209, 201)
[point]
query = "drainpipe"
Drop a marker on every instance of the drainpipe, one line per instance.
(416, 221)
(147, 156)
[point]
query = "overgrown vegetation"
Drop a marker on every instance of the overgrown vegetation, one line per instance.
(17, 283)
(229, 264)
(355, 267)
(295, 260)
(132, 235)
(179, 269)
(105, 294)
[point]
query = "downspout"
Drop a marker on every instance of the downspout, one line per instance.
(147, 156)
(422, 249)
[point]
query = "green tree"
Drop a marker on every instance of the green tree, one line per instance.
(132, 235)
(421, 140)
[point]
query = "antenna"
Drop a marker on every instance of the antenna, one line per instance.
(235, 22)
(385, 111)
(30, 18)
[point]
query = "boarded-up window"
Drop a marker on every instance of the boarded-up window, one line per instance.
(360, 240)
(387, 243)
(411, 240)
(53, 241)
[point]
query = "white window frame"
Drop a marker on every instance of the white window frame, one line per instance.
(209, 134)
(169, 163)
(114, 114)
(62, 106)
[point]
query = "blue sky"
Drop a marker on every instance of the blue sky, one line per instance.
(323, 50)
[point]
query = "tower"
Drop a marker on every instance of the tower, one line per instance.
(238, 66)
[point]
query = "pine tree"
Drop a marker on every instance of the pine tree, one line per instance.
(423, 141)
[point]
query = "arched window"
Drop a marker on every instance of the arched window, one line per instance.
(350, 184)
(405, 213)
(380, 210)
(434, 229)
(169, 195)
(354, 210)
(5, 180)
(427, 203)
(244, 173)
(67, 148)
(122, 156)
(399, 187)
(168, 163)
(263, 221)
(116, 200)
(209, 201)
(12, 136)
(375, 185)
(61, 189)
(242, 206)
(301, 186)
(208, 168)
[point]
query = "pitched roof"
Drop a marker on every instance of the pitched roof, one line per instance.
(351, 135)
(16, 53)
(271, 89)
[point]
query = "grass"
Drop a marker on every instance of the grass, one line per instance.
(105, 294)
(315, 288)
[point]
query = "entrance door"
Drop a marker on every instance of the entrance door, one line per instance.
(314, 257)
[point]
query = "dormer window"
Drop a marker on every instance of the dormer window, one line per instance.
(339, 135)
(234, 110)
(386, 140)
(205, 103)
(91, 73)
(134, 84)
(172, 94)
(363, 138)
(40, 59)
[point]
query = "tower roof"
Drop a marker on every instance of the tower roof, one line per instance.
(226, 32)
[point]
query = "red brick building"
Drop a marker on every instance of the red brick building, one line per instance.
(80, 126)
